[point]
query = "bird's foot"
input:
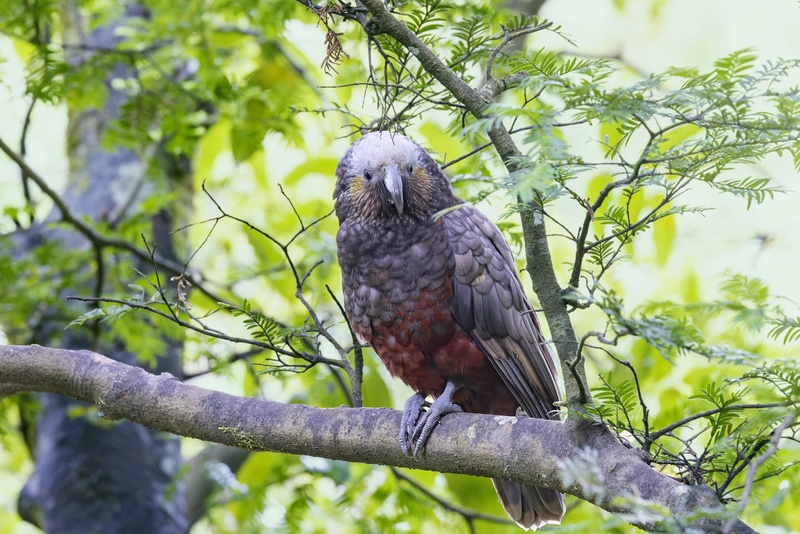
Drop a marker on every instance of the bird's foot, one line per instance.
(413, 409)
(428, 420)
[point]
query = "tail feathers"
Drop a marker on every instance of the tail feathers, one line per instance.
(529, 506)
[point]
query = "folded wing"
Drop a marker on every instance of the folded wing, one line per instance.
(490, 304)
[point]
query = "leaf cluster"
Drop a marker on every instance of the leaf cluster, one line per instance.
(712, 438)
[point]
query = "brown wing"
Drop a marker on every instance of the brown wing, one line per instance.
(490, 304)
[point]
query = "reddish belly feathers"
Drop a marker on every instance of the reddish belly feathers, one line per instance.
(424, 346)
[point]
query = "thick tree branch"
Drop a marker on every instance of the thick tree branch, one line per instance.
(525, 450)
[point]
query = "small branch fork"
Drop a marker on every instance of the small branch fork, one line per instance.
(283, 347)
(493, 86)
(96, 238)
(299, 278)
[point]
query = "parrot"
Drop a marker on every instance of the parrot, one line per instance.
(429, 282)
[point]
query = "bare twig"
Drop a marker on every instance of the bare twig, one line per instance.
(751, 473)
(312, 359)
(245, 355)
(95, 237)
(23, 150)
(469, 515)
(300, 280)
(507, 38)
(357, 376)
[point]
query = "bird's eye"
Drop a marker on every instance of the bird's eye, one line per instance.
(410, 169)
(368, 176)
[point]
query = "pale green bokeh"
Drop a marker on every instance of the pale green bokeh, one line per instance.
(647, 36)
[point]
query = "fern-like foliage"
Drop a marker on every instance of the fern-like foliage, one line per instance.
(731, 421)
(748, 303)
(259, 325)
(658, 143)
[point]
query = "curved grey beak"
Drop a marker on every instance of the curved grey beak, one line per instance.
(394, 184)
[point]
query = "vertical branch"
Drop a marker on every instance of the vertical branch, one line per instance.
(23, 151)
(545, 284)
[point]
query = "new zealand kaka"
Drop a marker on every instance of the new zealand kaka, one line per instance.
(430, 283)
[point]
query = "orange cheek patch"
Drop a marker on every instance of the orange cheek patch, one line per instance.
(357, 186)
(365, 198)
(422, 182)
(420, 175)
(358, 190)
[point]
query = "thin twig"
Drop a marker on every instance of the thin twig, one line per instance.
(358, 356)
(23, 150)
(751, 473)
(466, 513)
(511, 131)
(300, 280)
(645, 409)
(94, 236)
(671, 427)
(246, 355)
(507, 38)
(310, 358)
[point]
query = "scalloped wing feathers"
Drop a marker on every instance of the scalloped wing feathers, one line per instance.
(490, 304)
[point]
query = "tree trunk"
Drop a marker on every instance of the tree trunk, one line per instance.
(91, 476)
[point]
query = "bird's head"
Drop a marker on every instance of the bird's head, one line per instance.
(386, 176)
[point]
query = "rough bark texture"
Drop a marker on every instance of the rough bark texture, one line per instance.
(525, 450)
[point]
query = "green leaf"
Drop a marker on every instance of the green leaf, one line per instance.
(91, 315)
(753, 190)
